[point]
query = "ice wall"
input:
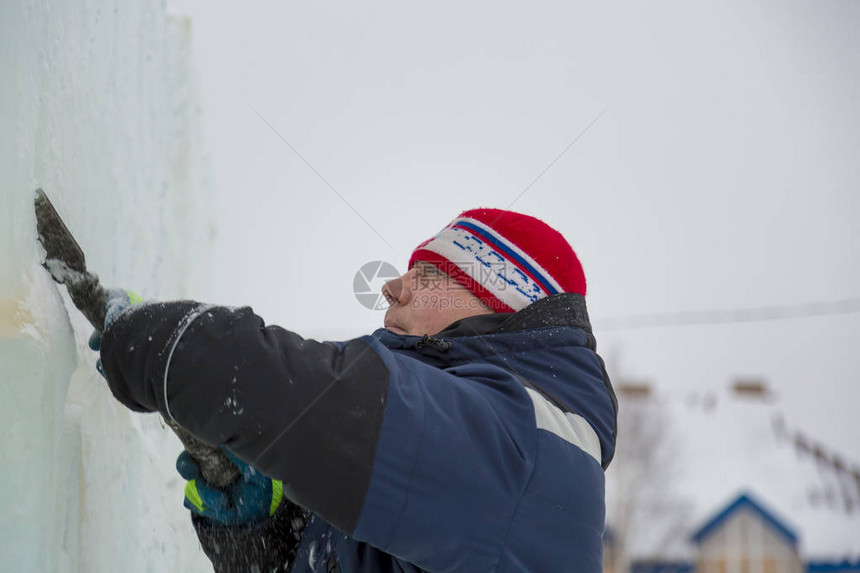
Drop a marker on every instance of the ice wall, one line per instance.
(96, 107)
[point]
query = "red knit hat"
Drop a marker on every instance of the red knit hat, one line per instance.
(506, 259)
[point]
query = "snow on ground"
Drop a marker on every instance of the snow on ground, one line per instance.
(97, 107)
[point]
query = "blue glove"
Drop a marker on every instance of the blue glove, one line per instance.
(117, 300)
(252, 497)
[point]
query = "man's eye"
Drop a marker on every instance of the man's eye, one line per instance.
(428, 270)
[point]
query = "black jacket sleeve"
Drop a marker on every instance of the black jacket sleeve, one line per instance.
(304, 412)
(269, 545)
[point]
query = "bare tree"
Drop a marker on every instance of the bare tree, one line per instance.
(645, 513)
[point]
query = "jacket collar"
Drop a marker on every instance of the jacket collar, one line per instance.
(563, 309)
(475, 325)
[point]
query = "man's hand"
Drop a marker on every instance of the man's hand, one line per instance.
(252, 497)
(117, 300)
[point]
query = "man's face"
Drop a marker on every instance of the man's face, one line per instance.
(425, 300)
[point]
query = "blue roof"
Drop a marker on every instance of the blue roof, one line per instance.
(833, 566)
(745, 500)
(662, 567)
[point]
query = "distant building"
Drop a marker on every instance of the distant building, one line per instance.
(793, 506)
(746, 538)
(742, 537)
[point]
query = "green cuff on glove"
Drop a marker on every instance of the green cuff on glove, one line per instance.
(252, 497)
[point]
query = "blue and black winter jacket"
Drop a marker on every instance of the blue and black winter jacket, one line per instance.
(481, 449)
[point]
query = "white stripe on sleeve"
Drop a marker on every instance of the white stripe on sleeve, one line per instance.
(570, 427)
(180, 330)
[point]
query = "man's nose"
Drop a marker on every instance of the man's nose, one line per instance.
(395, 289)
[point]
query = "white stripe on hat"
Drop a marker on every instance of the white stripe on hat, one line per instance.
(570, 427)
(494, 270)
(489, 231)
(486, 267)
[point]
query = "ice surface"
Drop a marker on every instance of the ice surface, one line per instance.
(97, 107)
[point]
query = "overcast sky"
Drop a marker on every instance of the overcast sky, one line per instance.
(697, 158)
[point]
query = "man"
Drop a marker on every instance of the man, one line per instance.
(468, 435)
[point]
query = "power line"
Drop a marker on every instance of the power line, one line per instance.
(736, 316)
(557, 157)
(323, 179)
